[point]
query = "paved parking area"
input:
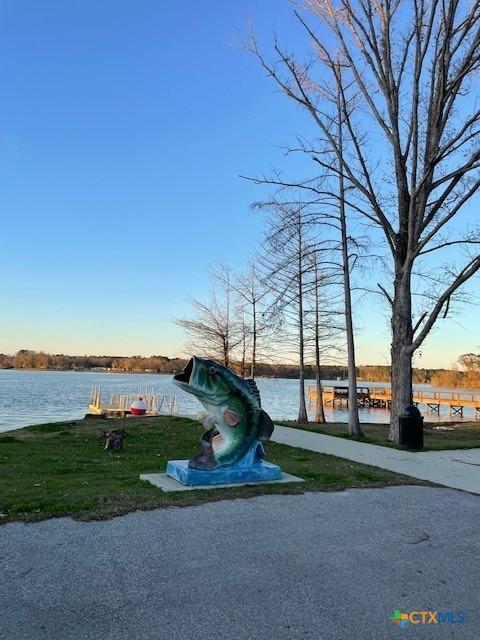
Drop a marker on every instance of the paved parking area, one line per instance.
(323, 566)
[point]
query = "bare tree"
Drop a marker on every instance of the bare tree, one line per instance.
(408, 98)
(323, 268)
(286, 262)
(245, 336)
(296, 265)
(253, 291)
(354, 427)
(319, 410)
(212, 330)
(323, 321)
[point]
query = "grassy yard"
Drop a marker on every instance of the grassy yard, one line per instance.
(61, 469)
(465, 435)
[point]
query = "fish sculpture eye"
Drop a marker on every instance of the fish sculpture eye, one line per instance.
(213, 371)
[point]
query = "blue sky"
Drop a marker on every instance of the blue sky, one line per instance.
(124, 127)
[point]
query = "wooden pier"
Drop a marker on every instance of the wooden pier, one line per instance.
(381, 397)
(120, 403)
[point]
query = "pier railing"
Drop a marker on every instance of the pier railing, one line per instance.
(381, 397)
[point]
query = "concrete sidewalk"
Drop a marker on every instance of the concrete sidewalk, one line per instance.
(455, 468)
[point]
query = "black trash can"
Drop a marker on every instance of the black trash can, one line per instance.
(411, 428)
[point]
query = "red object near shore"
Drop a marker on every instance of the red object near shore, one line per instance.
(138, 408)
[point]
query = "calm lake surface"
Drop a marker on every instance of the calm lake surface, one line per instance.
(35, 397)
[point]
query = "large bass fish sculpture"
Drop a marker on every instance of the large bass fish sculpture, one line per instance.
(234, 418)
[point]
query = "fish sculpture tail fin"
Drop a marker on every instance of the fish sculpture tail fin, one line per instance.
(265, 427)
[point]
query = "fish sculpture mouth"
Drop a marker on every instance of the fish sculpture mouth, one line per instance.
(185, 374)
(202, 378)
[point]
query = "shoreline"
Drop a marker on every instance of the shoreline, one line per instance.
(27, 398)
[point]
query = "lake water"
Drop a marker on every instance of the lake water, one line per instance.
(34, 397)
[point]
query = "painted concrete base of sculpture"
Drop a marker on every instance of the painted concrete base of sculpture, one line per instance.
(262, 471)
(168, 484)
(251, 468)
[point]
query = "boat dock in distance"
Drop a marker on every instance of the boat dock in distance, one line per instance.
(381, 397)
(120, 405)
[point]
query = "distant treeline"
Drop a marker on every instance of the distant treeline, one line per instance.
(468, 376)
(381, 373)
(26, 359)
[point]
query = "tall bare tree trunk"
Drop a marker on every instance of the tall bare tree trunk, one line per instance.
(302, 409)
(401, 348)
(227, 336)
(226, 350)
(254, 341)
(319, 411)
(244, 332)
(354, 427)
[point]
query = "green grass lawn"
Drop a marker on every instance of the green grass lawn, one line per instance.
(465, 435)
(62, 469)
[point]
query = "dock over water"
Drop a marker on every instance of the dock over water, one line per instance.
(381, 397)
(120, 403)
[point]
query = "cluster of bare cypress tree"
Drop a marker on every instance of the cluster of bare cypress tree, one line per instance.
(235, 323)
(391, 88)
(288, 306)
